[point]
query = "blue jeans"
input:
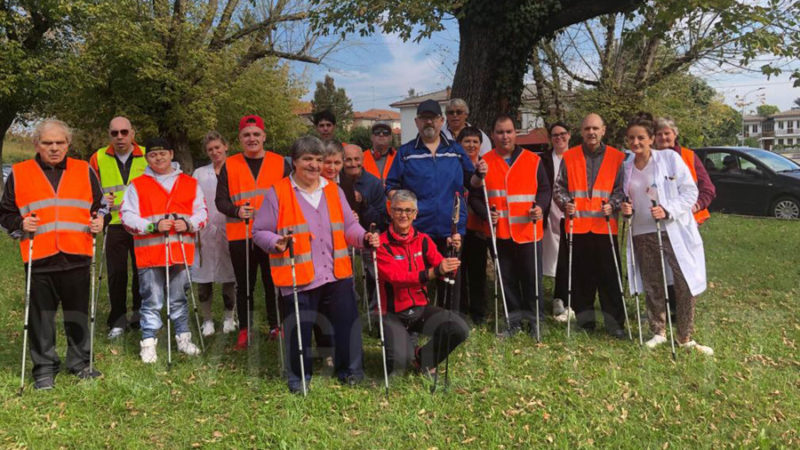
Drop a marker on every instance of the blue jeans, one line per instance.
(151, 287)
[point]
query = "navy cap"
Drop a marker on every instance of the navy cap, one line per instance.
(431, 106)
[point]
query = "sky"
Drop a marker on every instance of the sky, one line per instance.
(379, 70)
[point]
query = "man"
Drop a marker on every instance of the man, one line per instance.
(457, 113)
(164, 201)
(325, 124)
(554, 255)
(517, 185)
(589, 190)
(242, 182)
(53, 200)
(117, 165)
(435, 169)
(378, 160)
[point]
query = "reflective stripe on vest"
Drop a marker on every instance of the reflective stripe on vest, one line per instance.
(290, 218)
(688, 158)
(155, 203)
(589, 217)
(111, 178)
(64, 213)
(512, 190)
(243, 188)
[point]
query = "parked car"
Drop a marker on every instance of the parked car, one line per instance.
(753, 181)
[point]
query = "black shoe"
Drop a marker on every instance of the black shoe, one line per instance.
(134, 322)
(86, 374)
(44, 383)
(509, 332)
(619, 333)
(352, 380)
(298, 388)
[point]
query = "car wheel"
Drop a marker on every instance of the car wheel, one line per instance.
(786, 208)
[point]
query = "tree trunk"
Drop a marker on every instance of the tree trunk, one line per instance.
(181, 153)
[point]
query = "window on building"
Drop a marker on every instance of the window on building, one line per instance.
(780, 142)
(780, 125)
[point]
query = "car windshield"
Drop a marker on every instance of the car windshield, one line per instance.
(775, 162)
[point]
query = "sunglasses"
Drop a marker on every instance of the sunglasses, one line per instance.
(381, 133)
(115, 133)
(456, 112)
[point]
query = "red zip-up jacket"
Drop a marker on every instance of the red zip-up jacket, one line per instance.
(403, 263)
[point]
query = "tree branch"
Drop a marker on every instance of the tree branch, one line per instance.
(224, 23)
(261, 26)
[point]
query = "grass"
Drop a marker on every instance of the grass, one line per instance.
(16, 149)
(590, 392)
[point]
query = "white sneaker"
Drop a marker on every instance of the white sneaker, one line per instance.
(558, 307)
(655, 341)
(208, 328)
(708, 351)
(115, 332)
(569, 314)
(185, 344)
(228, 324)
(148, 351)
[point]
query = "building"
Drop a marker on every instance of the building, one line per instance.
(776, 132)
(370, 117)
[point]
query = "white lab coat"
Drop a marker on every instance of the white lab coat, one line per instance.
(212, 258)
(677, 193)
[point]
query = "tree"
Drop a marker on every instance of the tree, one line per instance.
(767, 110)
(360, 136)
(797, 102)
(328, 97)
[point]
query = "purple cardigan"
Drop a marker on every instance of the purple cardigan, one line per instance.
(266, 223)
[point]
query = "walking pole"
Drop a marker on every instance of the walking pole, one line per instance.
(364, 285)
(496, 319)
(536, 273)
(166, 297)
(499, 277)
(297, 312)
(380, 313)
(27, 311)
(664, 277)
(93, 295)
(191, 292)
(247, 270)
(280, 335)
(449, 292)
(632, 257)
(619, 275)
(569, 269)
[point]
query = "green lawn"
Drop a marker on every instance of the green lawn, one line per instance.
(591, 391)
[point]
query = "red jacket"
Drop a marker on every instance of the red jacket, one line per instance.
(403, 264)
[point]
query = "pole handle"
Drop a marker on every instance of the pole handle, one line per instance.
(608, 218)
(479, 174)
(290, 243)
(373, 228)
(247, 219)
(627, 200)
(533, 206)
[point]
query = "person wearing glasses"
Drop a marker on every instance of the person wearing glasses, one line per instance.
(378, 161)
(407, 259)
(117, 164)
(457, 113)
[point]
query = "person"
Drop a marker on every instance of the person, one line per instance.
(117, 164)
(325, 124)
(163, 201)
(333, 160)
(589, 189)
(435, 169)
(457, 112)
(322, 225)
(517, 186)
(52, 199)
(378, 160)
(241, 183)
(212, 256)
(662, 176)
(407, 259)
(554, 255)
(473, 280)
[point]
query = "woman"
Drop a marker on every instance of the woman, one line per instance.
(212, 257)
(322, 225)
(661, 178)
(332, 160)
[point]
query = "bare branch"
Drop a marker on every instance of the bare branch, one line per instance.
(224, 23)
(262, 26)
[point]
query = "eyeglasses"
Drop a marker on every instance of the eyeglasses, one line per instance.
(559, 135)
(406, 211)
(428, 118)
(381, 133)
(455, 112)
(123, 133)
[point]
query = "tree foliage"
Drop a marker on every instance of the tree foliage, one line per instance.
(328, 97)
(767, 110)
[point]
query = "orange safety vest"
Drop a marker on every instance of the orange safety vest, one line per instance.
(290, 218)
(64, 214)
(513, 192)
(688, 158)
(372, 167)
(243, 188)
(588, 215)
(154, 203)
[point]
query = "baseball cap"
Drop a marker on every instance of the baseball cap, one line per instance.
(381, 126)
(157, 143)
(251, 120)
(431, 106)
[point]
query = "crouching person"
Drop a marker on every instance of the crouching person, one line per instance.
(407, 260)
(163, 202)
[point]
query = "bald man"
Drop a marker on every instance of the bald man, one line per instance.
(589, 190)
(117, 164)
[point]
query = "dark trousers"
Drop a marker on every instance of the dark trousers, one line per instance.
(119, 244)
(593, 272)
(519, 278)
(71, 289)
(205, 291)
(473, 280)
(452, 300)
(258, 259)
(426, 320)
(334, 305)
(562, 266)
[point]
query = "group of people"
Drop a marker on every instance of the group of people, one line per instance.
(427, 214)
